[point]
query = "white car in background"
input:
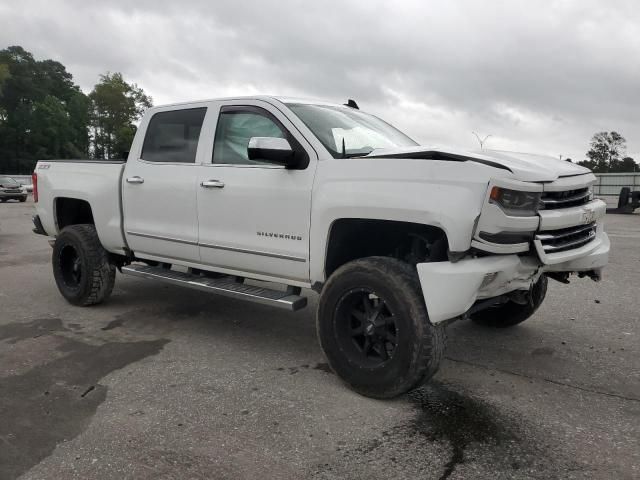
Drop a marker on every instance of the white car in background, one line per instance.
(10, 189)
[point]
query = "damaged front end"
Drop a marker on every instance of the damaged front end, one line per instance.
(525, 230)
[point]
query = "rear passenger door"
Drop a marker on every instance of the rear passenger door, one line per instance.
(159, 186)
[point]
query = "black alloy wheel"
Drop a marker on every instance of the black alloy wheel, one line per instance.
(366, 326)
(70, 266)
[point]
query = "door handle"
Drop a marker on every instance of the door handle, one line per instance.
(135, 179)
(212, 184)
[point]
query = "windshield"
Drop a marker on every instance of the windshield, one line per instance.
(8, 181)
(360, 133)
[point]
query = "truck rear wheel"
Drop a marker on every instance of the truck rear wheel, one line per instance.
(511, 313)
(81, 266)
(374, 329)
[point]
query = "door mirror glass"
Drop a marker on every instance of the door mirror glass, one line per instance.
(271, 150)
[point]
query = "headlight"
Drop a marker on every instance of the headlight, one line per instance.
(515, 202)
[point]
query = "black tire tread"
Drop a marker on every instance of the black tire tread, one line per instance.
(103, 273)
(432, 341)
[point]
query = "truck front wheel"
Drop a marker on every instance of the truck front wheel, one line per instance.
(512, 313)
(374, 329)
(81, 266)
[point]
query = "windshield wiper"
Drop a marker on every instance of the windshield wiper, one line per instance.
(353, 155)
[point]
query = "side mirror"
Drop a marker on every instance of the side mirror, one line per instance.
(271, 150)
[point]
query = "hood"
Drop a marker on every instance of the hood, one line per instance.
(527, 167)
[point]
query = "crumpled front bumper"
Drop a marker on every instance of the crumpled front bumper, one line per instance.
(450, 289)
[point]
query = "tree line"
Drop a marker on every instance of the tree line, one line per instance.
(607, 154)
(45, 115)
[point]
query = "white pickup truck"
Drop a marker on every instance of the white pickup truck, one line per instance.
(397, 238)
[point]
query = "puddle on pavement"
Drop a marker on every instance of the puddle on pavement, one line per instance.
(446, 415)
(449, 431)
(54, 402)
(15, 332)
(118, 322)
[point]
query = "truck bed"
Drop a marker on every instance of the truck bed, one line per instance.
(98, 182)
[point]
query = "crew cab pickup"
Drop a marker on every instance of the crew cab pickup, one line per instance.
(397, 238)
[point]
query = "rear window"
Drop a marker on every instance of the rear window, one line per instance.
(173, 136)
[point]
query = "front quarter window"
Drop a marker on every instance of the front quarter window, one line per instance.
(347, 132)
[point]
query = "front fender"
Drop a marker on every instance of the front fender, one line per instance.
(446, 195)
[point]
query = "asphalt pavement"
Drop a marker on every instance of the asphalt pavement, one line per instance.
(165, 382)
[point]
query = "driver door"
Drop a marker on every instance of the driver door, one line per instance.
(253, 216)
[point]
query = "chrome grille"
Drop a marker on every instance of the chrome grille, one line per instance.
(568, 198)
(567, 238)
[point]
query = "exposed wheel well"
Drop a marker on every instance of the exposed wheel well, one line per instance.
(353, 238)
(72, 211)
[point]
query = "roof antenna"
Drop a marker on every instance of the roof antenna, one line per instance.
(344, 150)
(352, 103)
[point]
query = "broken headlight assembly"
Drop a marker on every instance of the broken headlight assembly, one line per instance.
(515, 203)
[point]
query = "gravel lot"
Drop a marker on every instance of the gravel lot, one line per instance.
(163, 382)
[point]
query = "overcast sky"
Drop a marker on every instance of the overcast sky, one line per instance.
(539, 76)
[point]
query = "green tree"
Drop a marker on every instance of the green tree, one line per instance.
(43, 114)
(52, 130)
(628, 164)
(605, 152)
(4, 75)
(115, 107)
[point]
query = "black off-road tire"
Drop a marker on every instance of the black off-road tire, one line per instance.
(623, 198)
(511, 313)
(23, 199)
(93, 279)
(419, 345)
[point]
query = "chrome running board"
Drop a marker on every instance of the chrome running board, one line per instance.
(222, 286)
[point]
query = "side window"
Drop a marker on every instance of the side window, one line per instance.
(233, 132)
(173, 136)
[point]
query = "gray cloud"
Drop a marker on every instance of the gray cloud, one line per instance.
(538, 76)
